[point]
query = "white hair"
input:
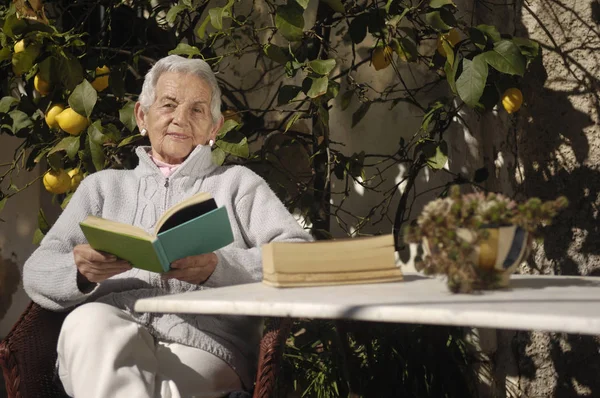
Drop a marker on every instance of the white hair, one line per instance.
(176, 63)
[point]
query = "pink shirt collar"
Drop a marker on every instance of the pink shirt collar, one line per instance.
(166, 168)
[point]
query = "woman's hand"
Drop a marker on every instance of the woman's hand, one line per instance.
(95, 266)
(193, 269)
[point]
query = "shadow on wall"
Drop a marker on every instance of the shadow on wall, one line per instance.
(558, 147)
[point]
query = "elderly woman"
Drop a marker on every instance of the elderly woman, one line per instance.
(105, 349)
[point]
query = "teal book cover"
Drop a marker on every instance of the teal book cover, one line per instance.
(204, 234)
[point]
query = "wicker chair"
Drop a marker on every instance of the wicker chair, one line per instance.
(28, 355)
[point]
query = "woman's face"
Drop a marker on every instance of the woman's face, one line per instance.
(180, 118)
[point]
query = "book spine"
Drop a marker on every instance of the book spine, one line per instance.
(162, 256)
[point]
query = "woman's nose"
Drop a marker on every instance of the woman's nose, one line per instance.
(180, 116)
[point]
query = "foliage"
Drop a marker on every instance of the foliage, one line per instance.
(284, 66)
(451, 254)
(303, 68)
(377, 360)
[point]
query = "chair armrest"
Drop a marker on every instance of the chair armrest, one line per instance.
(28, 354)
(269, 357)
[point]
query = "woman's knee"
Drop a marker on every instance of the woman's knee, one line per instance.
(91, 318)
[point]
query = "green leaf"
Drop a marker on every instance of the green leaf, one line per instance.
(218, 156)
(292, 120)
(229, 125)
(450, 71)
(68, 144)
(20, 120)
(22, 62)
(83, 98)
(127, 116)
(5, 54)
(360, 113)
(506, 58)
(96, 133)
(528, 47)
(43, 224)
(6, 103)
(70, 72)
(439, 159)
(216, 17)
(174, 11)
(45, 69)
(333, 89)
(276, 53)
(129, 140)
(290, 21)
(13, 25)
(449, 50)
(239, 149)
(336, 5)
(322, 66)
(358, 28)
(441, 20)
(66, 200)
(38, 236)
(96, 153)
(3, 203)
(201, 32)
(287, 93)
(490, 31)
(440, 3)
(315, 87)
(471, 82)
(478, 38)
(185, 49)
(406, 49)
(303, 3)
(347, 99)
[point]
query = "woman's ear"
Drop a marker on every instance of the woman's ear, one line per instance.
(216, 128)
(140, 116)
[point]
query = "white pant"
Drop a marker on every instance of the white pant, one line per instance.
(103, 353)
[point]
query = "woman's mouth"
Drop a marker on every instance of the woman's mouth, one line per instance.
(177, 136)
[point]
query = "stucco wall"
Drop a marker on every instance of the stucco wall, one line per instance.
(550, 148)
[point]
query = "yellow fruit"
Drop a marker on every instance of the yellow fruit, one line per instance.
(57, 181)
(42, 86)
(76, 178)
(382, 57)
(71, 121)
(452, 37)
(52, 113)
(512, 99)
(19, 46)
(101, 82)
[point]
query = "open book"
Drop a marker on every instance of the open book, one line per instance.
(194, 226)
(330, 262)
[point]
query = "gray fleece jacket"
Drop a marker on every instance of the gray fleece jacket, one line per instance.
(139, 197)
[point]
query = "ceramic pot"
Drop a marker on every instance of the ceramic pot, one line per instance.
(502, 251)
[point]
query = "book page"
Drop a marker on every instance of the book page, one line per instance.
(186, 210)
(116, 227)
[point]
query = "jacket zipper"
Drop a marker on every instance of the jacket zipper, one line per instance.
(162, 283)
(166, 193)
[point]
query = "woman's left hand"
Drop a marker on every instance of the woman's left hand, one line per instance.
(193, 269)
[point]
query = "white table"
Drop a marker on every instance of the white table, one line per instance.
(550, 303)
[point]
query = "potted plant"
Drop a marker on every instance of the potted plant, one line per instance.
(477, 240)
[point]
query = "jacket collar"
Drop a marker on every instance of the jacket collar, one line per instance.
(198, 163)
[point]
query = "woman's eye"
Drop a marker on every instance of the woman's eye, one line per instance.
(169, 106)
(198, 110)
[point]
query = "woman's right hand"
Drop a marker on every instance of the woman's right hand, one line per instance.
(96, 266)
